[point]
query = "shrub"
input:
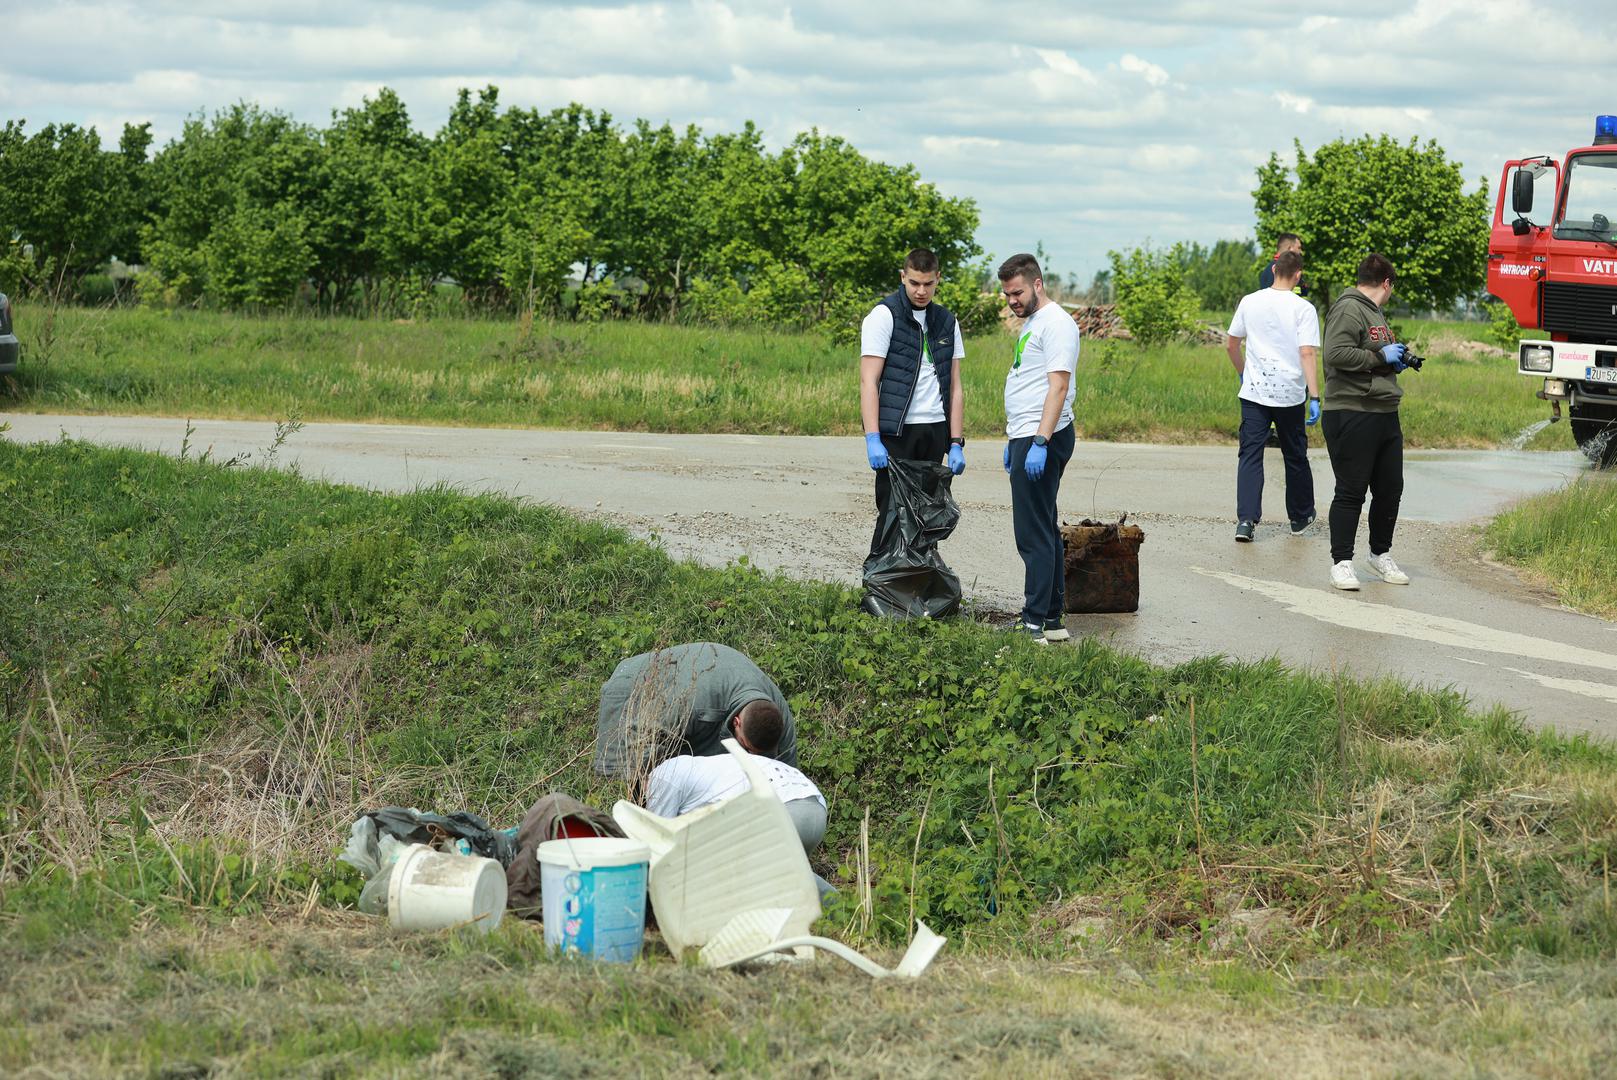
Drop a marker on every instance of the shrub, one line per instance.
(1156, 304)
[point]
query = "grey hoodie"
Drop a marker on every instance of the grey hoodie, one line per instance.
(1356, 377)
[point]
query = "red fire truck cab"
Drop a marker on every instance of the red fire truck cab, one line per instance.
(1553, 261)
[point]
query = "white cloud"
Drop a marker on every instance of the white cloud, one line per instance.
(1087, 130)
(1152, 74)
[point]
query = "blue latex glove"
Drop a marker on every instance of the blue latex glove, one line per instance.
(875, 451)
(1313, 411)
(1007, 459)
(957, 459)
(1394, 356)
(1034, 464)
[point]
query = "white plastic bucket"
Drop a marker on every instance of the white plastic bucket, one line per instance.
(593, 892)
(433, 890)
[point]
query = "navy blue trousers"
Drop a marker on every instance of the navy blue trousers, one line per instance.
(1290, 424)
(1038, 529)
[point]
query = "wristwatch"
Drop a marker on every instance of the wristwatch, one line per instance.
(958, 441)
(1040, 440)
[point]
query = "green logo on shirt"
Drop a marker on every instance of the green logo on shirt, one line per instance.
(1016, 351)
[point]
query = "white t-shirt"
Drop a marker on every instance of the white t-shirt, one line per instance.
(682, 784)
(1047, 342)
(1276, 323)
(876, 335)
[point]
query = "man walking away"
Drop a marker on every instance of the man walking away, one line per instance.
(1279, 376)
(911, 397)
(1039, 390)
(1362, 433)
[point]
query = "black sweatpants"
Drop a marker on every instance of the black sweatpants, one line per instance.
(1367, 453)
(917, 442)
(1038, 528)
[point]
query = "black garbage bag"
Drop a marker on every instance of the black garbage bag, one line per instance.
(416, 827)
(906, 578)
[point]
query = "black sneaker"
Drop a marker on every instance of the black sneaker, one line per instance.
(1244, 531)
(1056, 630)
(1300, 527)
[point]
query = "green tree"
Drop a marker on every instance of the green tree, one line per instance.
(1406, 201)
(369, 151)
(247, 173)
(1221, 274)
(74, 203)
(1155, 302)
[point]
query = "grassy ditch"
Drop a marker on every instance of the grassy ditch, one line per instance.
(1569, 538)
(638, 376)
(207, 670)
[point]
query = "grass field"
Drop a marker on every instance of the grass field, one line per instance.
(1569, 538)
(634, 376)
(206, 671)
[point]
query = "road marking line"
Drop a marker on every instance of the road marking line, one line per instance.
(1353, 614)
(1598, 691)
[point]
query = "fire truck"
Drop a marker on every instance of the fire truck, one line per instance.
(1553, 261)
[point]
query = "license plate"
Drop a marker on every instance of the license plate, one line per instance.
(1601, 374)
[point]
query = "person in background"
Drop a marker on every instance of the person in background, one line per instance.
(1279, 389)
(1287, 241)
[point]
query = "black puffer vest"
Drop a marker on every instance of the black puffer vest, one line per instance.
(903, 366)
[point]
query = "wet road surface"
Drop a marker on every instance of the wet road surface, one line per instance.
(804, 505)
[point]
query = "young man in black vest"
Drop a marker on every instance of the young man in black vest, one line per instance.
(910, 395)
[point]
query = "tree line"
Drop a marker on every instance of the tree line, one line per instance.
(566, 212)
(250, 208)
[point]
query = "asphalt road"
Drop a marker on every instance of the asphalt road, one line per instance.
(803, 505)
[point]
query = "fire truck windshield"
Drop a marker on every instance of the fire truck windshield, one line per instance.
(1591, 200)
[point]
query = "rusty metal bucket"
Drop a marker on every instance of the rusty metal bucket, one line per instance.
(1102, 563)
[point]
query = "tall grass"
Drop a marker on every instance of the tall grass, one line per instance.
(1568, 536)
(637, 376)
(207, 671)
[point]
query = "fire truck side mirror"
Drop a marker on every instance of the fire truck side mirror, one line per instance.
(1521, 192)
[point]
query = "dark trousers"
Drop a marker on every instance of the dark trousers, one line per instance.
(1367, 452)
(918, 442)
(1290, 426)
(1038, 530)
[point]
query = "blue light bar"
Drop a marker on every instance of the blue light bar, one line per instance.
(1607, 126)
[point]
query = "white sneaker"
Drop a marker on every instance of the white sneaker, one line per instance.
(1384, 568)
(1343, 577)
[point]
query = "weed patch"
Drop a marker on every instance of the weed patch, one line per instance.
(211, 669)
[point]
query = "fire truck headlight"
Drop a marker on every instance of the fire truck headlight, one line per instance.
(1537, 358)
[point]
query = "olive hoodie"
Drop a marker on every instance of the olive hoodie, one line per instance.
(1356, 377)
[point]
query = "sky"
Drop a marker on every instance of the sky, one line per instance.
(1082, 127)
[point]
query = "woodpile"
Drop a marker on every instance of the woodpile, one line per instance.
(1101, 322)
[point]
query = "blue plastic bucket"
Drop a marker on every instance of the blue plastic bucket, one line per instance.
(593, 896)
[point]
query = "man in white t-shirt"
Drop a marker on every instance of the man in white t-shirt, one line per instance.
(910, 394)
(1039, 390)
(1279, 387)
(682, 784)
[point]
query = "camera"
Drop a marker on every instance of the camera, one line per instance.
(1412, 359)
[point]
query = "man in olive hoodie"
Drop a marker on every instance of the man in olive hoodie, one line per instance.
(1362, 434)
